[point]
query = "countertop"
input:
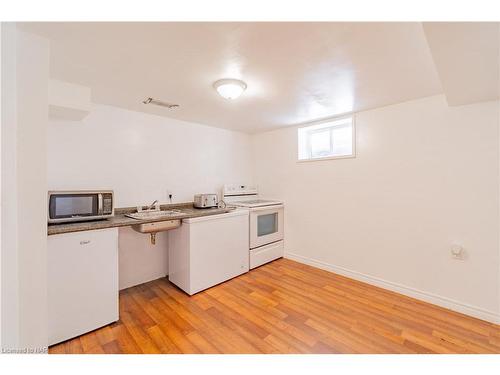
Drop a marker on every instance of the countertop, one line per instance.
(120, 220)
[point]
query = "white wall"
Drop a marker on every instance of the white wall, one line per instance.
(140, 157)
(425, 176)
(498, 109)
(498, 281)
(140, 261)
(10, 304)
(68, 101)
(2, 98)
(24, 188)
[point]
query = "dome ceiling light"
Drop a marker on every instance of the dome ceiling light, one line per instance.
(230, 88)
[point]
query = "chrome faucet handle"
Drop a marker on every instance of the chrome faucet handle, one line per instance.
(154, 206)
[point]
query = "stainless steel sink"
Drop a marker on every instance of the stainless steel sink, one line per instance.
(153, 214)
(157, 226)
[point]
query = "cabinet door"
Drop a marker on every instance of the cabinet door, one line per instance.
(82, 282)
(218, 249)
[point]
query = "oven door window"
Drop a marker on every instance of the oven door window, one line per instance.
(267, 224)
(73, 205)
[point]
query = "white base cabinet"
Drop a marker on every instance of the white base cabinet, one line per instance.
(82, 282)
(208, 250)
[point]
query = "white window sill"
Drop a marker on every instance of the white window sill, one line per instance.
(326, 158)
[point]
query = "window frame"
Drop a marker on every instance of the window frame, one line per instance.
(325, 121)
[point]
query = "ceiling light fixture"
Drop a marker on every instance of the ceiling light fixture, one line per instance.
(230, 88)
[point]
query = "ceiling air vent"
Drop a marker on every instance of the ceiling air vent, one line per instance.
(160, 103)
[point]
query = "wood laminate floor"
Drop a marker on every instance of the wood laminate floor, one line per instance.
(283, 307)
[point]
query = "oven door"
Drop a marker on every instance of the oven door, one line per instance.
(266, 225)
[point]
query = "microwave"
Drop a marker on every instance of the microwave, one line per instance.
(79, 205)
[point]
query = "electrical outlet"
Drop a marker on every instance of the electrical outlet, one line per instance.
(170, 196)
(457, 252)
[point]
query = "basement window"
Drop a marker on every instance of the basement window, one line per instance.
(332, 139)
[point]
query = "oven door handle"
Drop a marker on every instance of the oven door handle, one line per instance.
(268, 208)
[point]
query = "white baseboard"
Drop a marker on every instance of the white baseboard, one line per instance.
(445, 302)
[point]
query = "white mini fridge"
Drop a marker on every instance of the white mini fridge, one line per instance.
(82, 287)
(208, 250)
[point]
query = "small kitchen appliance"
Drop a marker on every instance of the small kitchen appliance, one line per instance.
(79, 205)
(205, 200)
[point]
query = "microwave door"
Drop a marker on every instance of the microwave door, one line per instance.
(73, 206)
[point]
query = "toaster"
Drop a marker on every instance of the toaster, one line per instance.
(205, 200)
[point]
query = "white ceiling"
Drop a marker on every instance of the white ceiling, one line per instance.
(296, 72)
(466, 57)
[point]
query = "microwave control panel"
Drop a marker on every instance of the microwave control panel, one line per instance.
(107, 203)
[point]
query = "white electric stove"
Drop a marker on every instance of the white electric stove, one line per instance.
(266, 222)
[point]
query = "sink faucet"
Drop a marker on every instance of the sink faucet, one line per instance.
(151, 206)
